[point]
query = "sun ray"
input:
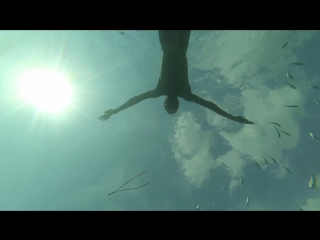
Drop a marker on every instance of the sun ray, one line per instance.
(48, 90)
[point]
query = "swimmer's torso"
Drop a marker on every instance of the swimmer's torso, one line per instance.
(173, 80)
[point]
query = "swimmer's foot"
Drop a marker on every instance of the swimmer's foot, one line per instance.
(240, 119)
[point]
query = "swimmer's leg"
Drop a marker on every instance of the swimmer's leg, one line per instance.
(174, 38)
(184, 36)
(167, 38)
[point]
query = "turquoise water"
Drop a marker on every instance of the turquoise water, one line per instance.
(69, 160)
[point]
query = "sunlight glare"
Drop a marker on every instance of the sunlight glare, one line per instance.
(48, 90)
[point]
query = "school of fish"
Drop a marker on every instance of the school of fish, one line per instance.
(312, 182)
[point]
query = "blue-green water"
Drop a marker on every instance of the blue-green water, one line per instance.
(69, 160)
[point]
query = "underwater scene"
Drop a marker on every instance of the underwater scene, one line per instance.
(168, 120)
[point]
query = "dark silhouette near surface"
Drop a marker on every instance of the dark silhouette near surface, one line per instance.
(173, 80)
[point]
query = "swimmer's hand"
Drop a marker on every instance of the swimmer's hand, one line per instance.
(106, 115)
(240, 119)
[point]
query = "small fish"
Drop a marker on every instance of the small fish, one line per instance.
(285, 44)
(291, 85)
(289, 75)
(266, 160)
(272, 158)
(313, 86)
(247, 202)
(241, 180)
(122, 33)
(258, 165)
(198, 208)
(296, 63)
(285, 132)
(298, 207)
(278, 133)
(286, 169)
(312, 182)
(311, 135)
(315, 137)
(226, 166)
(275, 124)
(317, 102)
(255, 162)
(291, 105)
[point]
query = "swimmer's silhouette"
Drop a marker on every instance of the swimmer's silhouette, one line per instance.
(173, 81)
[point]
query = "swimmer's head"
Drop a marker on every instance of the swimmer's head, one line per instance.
(171, 104)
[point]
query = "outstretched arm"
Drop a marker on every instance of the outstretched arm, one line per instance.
(132, 101)
(210, 105)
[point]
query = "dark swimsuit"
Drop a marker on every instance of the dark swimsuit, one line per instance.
(173, 80)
